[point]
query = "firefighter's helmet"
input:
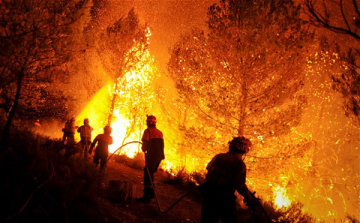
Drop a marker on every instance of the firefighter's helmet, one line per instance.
(150, 119)
(240, 144)
(107, 130)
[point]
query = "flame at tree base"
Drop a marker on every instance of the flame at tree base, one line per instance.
(280, 198)
(308, 185)
(96, 111)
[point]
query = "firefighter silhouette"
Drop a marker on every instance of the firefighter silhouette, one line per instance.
(153, 147)
(226, 173)
(102, 150)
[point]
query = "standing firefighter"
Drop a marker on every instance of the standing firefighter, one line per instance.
(102, 149)
(85, 136)
(69, 136)
(65, 131)
(226, 173)
(153, 147)
(69, 131)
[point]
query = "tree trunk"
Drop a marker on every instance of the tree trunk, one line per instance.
(6, 131)
(112, 108)
(243, 110)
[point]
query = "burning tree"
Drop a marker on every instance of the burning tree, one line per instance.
(123, 52)
(134, 93)
(335, 65)
(182, 152)
(250, 74)
(120, 50)
(244, 76)
(36, 40)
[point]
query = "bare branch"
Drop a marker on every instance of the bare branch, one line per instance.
(318, 19)
(356, 7)
(343, 15)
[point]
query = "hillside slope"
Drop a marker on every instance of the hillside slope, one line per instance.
(187, 210)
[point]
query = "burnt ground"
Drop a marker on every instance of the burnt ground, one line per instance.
(131, 211)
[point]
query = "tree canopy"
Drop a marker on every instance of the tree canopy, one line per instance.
(120, 49)
(36, 39)
(343, 19)
(244, 73)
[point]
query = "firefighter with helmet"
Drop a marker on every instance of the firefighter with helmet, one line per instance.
(226, 173)
(102, 149)
(69, 131)
(153, 147)
(69, 136)
(65, 131)
(85, 136)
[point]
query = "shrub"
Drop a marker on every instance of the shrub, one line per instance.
(40, 184)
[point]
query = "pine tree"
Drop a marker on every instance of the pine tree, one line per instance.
(118, 50)
(36, 40)
(343, 19)
(244, 75)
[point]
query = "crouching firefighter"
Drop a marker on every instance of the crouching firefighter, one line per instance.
(153, 147)
(226, 173)
(102, 149)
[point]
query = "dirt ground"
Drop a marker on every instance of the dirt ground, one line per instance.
(131, 211)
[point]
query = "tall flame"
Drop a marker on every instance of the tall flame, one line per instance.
(132, 96)
(280, 197)
(306, 173)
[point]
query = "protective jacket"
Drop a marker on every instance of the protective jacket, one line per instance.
(85, 131)
(102, 149)
(103, 141)
(153, 147)
(153, 144)
(226, 173)
(228, 169)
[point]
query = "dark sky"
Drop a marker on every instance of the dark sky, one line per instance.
(168, 19)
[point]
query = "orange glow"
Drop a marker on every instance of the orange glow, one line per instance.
(132, 87)
(280, 197)
(96, 110)
(306, 176)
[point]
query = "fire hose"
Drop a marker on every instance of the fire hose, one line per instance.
(121, 148)
(156, 197)
(185, 194)
(152, 183)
